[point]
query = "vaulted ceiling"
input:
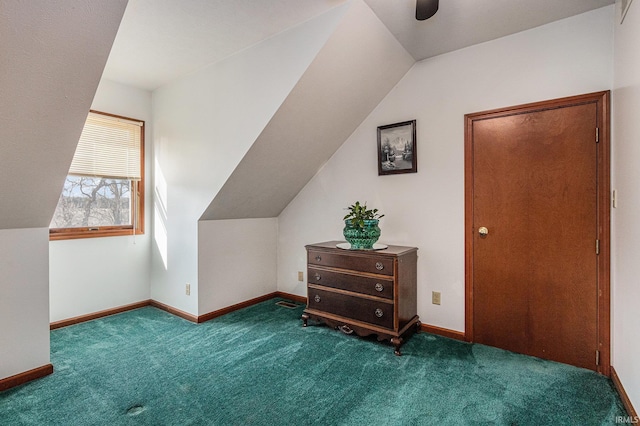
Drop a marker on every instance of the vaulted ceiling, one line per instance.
(161, 40)
(463, 23)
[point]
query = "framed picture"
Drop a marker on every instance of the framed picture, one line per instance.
(397, 148)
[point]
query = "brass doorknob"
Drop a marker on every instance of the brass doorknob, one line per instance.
(483, 231)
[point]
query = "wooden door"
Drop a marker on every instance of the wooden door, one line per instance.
(535, 230)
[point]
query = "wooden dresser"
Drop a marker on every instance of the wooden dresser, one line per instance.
(363, 292)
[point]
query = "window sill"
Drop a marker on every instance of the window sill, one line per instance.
(73, 234)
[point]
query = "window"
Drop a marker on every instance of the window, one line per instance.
(103, 194)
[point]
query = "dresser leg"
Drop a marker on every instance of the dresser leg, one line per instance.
(397, 342)
(418, 324)
(305, 318)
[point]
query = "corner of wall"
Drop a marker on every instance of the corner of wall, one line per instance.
(237, 261)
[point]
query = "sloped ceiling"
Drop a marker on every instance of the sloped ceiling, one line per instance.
(162, 40)
(463, 23)
(358, 66)
(52, 55)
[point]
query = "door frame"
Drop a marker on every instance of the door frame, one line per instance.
(603, 188)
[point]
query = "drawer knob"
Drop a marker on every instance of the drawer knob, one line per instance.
(318, 258)
(317, 299)
(379, 287)
(379, 266)
(379, 313)
(318, 277)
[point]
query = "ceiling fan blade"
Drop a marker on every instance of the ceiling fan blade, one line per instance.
(425, 9)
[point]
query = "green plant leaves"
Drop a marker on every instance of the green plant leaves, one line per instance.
(358, 213)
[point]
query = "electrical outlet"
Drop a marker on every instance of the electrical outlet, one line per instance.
(300, 276)
(435, 297)
(187, 289)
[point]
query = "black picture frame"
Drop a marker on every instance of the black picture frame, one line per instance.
(397, 148)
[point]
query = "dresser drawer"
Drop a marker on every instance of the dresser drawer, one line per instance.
(372, 264)
(356, 283)
(369, 311)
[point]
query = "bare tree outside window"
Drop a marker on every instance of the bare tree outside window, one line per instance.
(93, 202)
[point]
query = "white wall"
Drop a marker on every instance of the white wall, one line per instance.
(625, 224)
(327, 104)
(24, 301)
(568, 57)
(94, 274)
(237, 261)
(203, 125)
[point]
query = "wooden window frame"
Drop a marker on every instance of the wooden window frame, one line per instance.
(137, 187)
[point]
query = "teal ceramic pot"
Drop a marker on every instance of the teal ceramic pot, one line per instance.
(361, 238)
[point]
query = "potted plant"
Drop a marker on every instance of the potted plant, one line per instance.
(361, 228)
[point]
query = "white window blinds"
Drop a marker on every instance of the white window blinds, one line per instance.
(108, 147)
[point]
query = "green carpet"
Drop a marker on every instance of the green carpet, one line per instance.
(259, 366)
